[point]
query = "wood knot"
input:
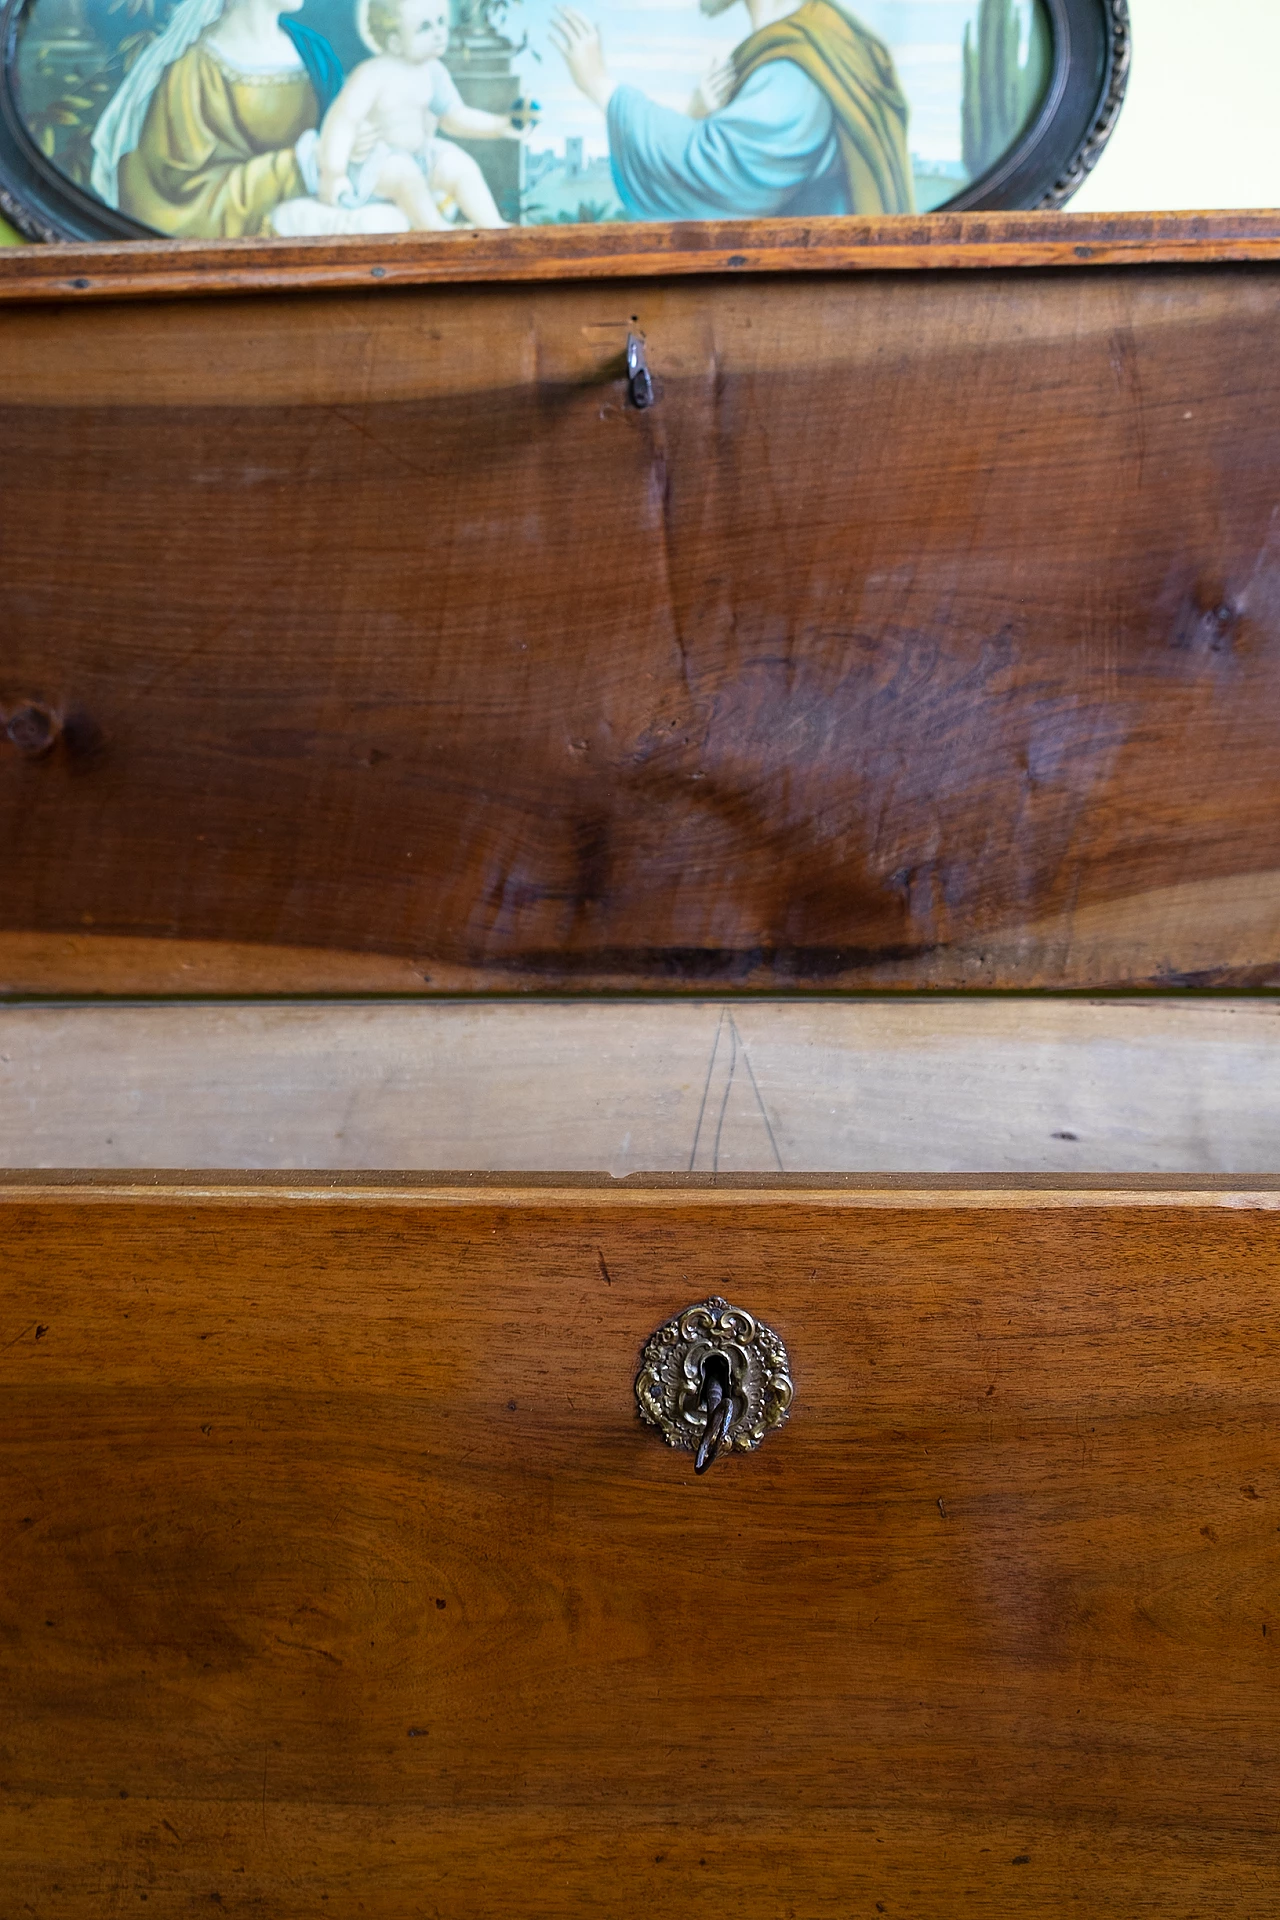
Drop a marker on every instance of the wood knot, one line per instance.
(32, 728)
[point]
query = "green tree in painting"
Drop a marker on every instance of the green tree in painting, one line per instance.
(1001, 93)
(72, 77)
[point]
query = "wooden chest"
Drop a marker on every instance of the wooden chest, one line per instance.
(361, 634)
(341, 1575)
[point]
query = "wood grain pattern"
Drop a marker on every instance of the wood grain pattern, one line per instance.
(150, 269)
(339, 1574)
(925, 633)
(942, 1085)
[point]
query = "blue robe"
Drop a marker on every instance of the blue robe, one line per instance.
(772, 149)
(324, 69)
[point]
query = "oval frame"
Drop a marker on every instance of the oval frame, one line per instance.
(1092, 49)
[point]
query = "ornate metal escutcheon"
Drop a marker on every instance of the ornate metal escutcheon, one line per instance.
(714, 1378)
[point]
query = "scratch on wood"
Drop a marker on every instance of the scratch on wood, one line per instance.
(300, 1646)
(706, 1090)
(737, 1047)
(755, 1088)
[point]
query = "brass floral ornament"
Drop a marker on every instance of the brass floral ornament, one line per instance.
(714, 1378)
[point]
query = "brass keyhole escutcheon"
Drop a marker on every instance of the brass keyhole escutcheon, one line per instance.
(714, 1380)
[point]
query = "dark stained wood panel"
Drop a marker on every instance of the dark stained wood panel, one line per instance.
(925, 633)
(340, 1575)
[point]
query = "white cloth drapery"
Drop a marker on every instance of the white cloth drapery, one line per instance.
(120, 127)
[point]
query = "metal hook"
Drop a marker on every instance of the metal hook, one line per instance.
(717, 1399)
(639, 378)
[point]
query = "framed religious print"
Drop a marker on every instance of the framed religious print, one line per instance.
(210, 119)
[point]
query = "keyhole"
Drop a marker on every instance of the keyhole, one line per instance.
(639, 378)
(716, 1401)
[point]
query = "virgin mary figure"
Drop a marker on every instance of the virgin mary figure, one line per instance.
(200, 140)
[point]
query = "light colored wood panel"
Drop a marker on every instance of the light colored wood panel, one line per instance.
(946, 1086)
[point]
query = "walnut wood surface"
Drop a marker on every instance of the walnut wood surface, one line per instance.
(340, 1576)
(924, 634)
(151, 269)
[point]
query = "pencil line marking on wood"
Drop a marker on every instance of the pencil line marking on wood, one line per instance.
(706, 1091)
(728, 1089)
(755, 1087)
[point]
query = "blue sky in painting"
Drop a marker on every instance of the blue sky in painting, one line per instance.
(664, 46)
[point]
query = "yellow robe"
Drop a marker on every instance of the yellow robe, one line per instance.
(216, 150)
(857, 74)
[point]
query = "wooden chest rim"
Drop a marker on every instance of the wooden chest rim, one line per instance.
(667, 1192)
(166, 269)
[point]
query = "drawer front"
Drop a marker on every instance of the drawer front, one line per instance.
(340, 1568)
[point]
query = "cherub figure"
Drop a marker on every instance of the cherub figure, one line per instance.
(379, 140)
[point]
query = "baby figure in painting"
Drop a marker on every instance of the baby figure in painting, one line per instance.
(379, 140)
